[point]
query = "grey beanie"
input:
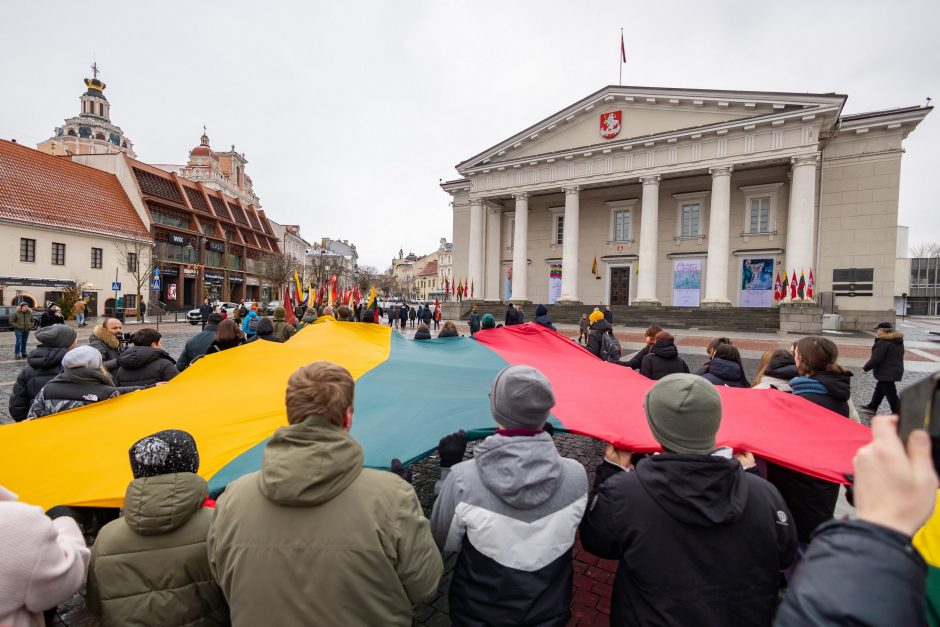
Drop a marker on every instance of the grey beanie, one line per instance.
(521, 398)
(82, 357)
(57, 335)
(684, 413)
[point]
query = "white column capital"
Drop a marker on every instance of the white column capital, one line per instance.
(574, 189)
(521, 195)
(724, 170)
(804, 160)
(650, 180)
(477, 201)
(491, 209)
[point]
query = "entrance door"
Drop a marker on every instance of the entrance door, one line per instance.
(91, 307)
(620, 286)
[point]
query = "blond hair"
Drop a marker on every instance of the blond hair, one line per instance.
(322, 389)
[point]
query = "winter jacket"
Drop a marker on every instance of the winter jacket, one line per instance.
(403, 314)
(812, 501)
(856, 573)
(512, 316)
(584, 326)
(778, 374)
(196, 346)
(22, 320)
(265, 331)
(887, 357)
(609, 316)
(512, 512)
(420, 314)
(48, 319)
(218, 347)
(151, 567)
(44, 363)
(448, 333)
(637, 360)
(662, 359)
(282, 328)
(700, 542)
(412, 314)
(205, 310)
(72, 388)
(107, 344)
(595, 339)
(251, 315)
(44, 561)
(144, 365)
(336, 544)
(427, 315)
(422, 334)
(724, 372)
(309, 317)
(541, 317)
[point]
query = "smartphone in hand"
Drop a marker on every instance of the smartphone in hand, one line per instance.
(920, 409)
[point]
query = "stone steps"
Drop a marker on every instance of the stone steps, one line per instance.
(758, 319)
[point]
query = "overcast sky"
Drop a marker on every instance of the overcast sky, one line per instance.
(350, 112)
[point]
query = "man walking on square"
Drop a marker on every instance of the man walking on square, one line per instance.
(22, 322)
(512, 512)
(887, 364)
(314, 538)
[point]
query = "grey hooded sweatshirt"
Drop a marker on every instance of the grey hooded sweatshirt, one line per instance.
(512, 512)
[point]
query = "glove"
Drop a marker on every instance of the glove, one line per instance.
(452, 448)
(401, 471)
(62, 510)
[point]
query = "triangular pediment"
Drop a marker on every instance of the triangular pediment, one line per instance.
(642, 112)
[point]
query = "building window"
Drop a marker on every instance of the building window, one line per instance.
(621, 221)
(27, 249)
(130, 301)
(176, 252)
(58, 254)
(208, 229)
(234, 262)
(759, 209)
(691, 213)
(169, 219)
(214, 258)
(132, 262)
(510, 230)
(559, 229)
(97, 258)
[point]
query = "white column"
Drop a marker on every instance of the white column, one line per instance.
(719, 250)
(649, 239)
(520, 246)
(492, 262)
(475, 267)
(569, 247)
(801, 222)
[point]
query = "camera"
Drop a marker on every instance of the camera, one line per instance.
(920, 409)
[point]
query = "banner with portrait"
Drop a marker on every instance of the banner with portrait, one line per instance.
(686, 282)
(757, 282)
(554, 283)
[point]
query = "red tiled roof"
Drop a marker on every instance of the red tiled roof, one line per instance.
(429, 270)
(54, 191)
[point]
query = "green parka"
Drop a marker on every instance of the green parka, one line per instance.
(151, 566)
(316, 539)
(22, 320)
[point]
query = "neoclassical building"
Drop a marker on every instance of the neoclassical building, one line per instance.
(660, 196)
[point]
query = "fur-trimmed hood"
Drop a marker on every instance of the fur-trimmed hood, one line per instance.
(893, 336)
(109, 339)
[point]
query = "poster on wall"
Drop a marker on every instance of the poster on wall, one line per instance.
(757, 282)
(686, 282)
(507, 281)
(554, 283)
(171, 291)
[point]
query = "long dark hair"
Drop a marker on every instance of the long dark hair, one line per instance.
(228, 333)
(731, 353)
(815, 355)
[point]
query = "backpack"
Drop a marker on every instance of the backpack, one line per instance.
(242, 312)
(610, 348)
(253, 324)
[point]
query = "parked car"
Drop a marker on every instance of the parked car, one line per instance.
(6, 312)
(194, 317)
(269, 310)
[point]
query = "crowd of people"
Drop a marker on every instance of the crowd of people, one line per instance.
(703, 534)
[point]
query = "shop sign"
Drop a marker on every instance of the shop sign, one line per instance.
(216, 246)
(178, 239)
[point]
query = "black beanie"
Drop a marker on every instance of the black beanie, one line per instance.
(164, 453)
(215, 318)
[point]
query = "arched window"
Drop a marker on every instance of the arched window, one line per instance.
(101, 109)
(72, 132)
(100, 136)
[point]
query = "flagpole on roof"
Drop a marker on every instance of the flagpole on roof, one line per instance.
(623, 54)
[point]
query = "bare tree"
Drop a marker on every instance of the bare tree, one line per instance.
(139, 258)
(388, 284)
(365, 278)
(924, 251)
(277, 270)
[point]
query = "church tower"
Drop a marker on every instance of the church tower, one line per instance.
(91, 132)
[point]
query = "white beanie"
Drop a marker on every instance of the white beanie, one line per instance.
(82, 357)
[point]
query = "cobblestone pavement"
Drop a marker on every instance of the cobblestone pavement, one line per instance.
(593, 577)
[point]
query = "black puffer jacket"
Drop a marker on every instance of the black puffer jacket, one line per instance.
(813, 501)
(43, 364)
(723, 372)
(782, 368)
(663, 359)
(423, 334)
(637, 360)
(847, 562)
(887, 357)
(265, 331)
(196, 346)
(678, 525)
(595, 339)
(144, 365)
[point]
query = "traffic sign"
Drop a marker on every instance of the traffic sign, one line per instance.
(155, 285)
(116, 286)
(156, 272)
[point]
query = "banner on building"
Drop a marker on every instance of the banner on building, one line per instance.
(686, 282)
(554, 283)
(171, 291)
(507, 281)
(757, 282)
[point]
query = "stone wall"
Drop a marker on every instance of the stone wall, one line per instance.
(861, 320)
(799, 318)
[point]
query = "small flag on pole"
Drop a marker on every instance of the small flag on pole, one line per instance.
(793, 286)
(801, 286)
(784, 286)
(810, 284)
(623, 49)
(594, 267)
(778, 289)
